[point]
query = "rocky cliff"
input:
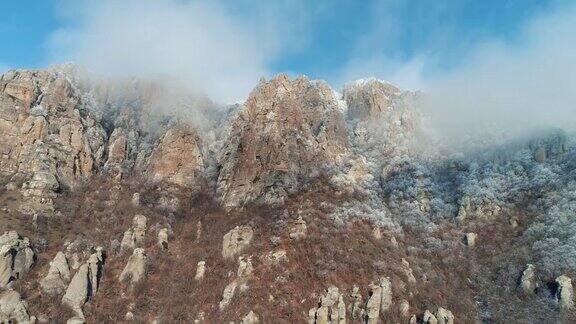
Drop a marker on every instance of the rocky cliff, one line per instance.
(132, 200)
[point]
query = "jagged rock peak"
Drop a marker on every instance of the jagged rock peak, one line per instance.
(286, 129)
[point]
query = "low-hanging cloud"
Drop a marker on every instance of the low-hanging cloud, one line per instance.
(203, 45)
(500, 88)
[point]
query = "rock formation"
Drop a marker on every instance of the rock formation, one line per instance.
(331, 308)
(286, 130)
(13, 309)
(135, 270)
(16, 257)
(49, 129)
(163, 238)
(250, 318)
(177, 158)
(236, 240)
(298, 230)
(200, 270)
(565, 293)
(528, 280)
(58, 276)
(444, 316)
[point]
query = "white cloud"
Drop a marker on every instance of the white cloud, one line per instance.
(512, 88)
(500, 88)
(202, 44)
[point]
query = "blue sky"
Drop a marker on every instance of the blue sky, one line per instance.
(332, 40)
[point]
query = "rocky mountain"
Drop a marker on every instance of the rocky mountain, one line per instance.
(137, 201)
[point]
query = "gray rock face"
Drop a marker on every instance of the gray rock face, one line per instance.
(177, 157)
(429, 318)
(135, 270)
(78, 290)
(236, 241)
(379, 301)
(16, 257)
(286, 130)
(48, 128)
(228, 294)
(444, 316)
(565, 293)
(250, 318)
(331, 308)
(84, 283)
(200, 270)
(299, 229)
(13, 309)
(528, 280)
(163, 239)
(58, 276)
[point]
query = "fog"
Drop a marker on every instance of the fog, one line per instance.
(505, 89)
(498, 88)
(202, 45)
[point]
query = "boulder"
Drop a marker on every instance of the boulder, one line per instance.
(528, 280)
(96, 265)
(16, 257)
(163, 238)
(227, 295)
(379, 301)
(356, 309)
(200, 270)
(128, 242)
(13, 309)
(78, 290)
(250, 318)
(139, 229)
(470, 239)
(332, 308)
(565, 293)
(236, 241)
(444, 316)
(429, 318)
(135, 270)
(404, 308)
(245, 267)
(299, 229)
(55, 282)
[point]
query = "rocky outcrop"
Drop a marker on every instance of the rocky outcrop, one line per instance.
(429, 318)
(250, 318)
(565, 293)
(236, 241)
(200, 270)
(177, 157)
(299, 229)
(58, 276)
(331, 308)
(243, 273)
(135, 235)
(163, 239)
(78, 290)
(356, 306)
(470, 239)
(379, 301)
(84, 283)
(13, 309)
(288, 129)
(444, 316)
(135, 270)
(528, 280)
(48, 126)
(16, 257)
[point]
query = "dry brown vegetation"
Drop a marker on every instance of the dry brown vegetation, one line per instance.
(453, 276)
